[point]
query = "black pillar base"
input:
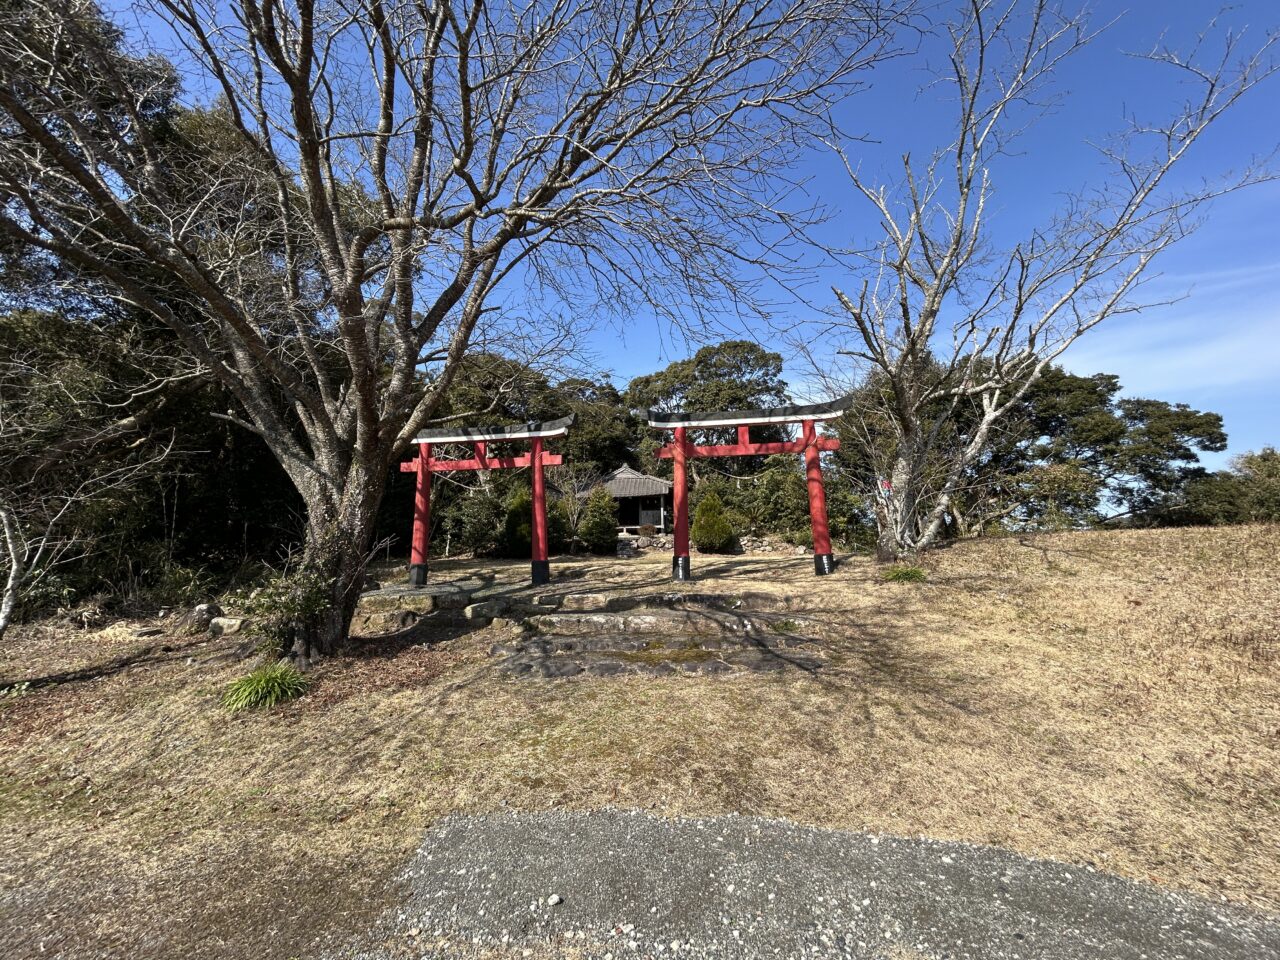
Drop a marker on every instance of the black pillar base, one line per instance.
(541, 572)
(680, 568)
(417, 575)
(824, 563)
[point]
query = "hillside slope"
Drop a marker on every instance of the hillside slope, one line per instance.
(1108, 699)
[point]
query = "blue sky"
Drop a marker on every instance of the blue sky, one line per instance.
(1218, 346)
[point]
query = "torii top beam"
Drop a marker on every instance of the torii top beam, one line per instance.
(793, 413)
(519, 431)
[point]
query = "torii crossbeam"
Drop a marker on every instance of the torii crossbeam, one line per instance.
(679, 450)
(425, 465)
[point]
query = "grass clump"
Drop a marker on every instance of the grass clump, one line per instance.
(265, 687)
(902, 573)
(16, 690)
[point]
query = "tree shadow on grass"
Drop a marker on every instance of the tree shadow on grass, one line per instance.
(870, 673)
(150, 655)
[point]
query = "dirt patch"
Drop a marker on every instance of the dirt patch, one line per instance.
(410, 660)
(1110, 699)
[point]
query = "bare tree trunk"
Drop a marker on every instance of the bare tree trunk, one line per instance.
(15, 556)
(340, 533)
(896, 519)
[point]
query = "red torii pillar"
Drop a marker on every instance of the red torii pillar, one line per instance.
(536, 459)
(680, 498)
(810, 445)
(824, 560)
(421, 543)
(538, 532)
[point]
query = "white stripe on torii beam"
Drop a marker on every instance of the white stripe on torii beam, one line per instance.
(745, 418)
(527, 431)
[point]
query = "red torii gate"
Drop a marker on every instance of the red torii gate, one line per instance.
(425, 465)
(679, 450)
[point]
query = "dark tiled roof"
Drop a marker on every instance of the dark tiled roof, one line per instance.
(625, 482)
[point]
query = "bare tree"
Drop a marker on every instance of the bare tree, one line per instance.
(73, 440)
(948, 329)
(329, 234)
(575, 481)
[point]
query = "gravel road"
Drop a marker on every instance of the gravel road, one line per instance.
(620, 885)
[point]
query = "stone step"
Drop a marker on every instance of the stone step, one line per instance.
(656, 621)
(750, 602)
(692, 661)
(651, 647)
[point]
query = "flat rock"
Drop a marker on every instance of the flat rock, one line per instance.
(485, 610)
(519, 609)
(662, 622)
(198, 618)
(616, 654)
(226, 626)
(585, 601)
(383, 621)
(448, 595)
(605, 668)
(558, 668)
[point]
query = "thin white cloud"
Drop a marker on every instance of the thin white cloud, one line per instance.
(1197, 345)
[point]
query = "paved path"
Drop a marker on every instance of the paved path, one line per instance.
(630, 885)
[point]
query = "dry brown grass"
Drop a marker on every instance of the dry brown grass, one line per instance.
(1103, 698)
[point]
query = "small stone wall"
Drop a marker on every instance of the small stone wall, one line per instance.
(746, 544)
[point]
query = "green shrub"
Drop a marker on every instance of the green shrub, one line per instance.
(736, 519)
(901, 573)
(776, 500)
(712, 532)
(517, 534)
(176, 585)
(48, 594)
(559, 526)
(150, 578)
(265, 687)
(599, 527)
(284, 607)
(481, 518)
(801, 537)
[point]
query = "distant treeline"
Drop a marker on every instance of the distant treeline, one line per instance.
(201, 502)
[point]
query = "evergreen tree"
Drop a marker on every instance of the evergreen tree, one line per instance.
(599, 528)
(517, 540)
(712, 532)
(1249, 492)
